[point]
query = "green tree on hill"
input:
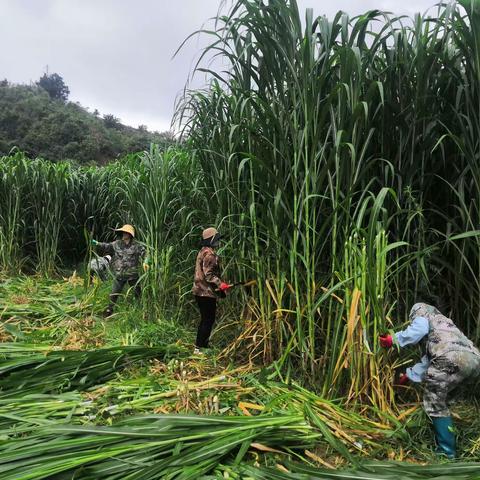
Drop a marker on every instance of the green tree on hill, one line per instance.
(55, 86)
(111, 121)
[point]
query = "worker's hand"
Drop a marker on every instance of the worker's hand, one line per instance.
(93, 242)
(403, 379)
(385, 340)
(146, 266)
(224, 287)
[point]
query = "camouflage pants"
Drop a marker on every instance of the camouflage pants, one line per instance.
(118, 286)
(444, 374)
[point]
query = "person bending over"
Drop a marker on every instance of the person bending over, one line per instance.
(99, 266)
(450, 359)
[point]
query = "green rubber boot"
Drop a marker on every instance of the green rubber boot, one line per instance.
(444, 436)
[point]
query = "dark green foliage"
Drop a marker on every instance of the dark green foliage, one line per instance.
(111, 121)
(54, 85)
(58, 130)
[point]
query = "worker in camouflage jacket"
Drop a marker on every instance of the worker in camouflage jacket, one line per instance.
(207, 285)
(127, 256)
(451, 359)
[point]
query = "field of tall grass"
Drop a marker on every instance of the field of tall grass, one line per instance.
(340, 159)
(343, 156)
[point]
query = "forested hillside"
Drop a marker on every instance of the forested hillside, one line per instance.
(40, 120)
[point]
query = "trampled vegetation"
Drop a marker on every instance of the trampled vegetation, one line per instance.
(340, 158)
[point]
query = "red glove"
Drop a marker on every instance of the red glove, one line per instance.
(224, 287)
(403, 380)
(386, 340)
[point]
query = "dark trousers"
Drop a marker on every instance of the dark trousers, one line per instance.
(118, 286)
(208, 309)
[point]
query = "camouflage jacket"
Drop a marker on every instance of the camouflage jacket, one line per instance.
(207, 273)
(126, 259)
(443, 335)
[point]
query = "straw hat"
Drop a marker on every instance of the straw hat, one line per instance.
(127, 229)
(209, 233)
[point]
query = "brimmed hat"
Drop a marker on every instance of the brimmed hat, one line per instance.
(209, 233)
(127, 229)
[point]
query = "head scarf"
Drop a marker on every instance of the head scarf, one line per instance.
(423, 310)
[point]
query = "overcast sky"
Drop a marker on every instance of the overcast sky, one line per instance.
(116, 55)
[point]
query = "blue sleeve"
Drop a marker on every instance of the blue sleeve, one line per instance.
(417, 372)
(413, 333)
